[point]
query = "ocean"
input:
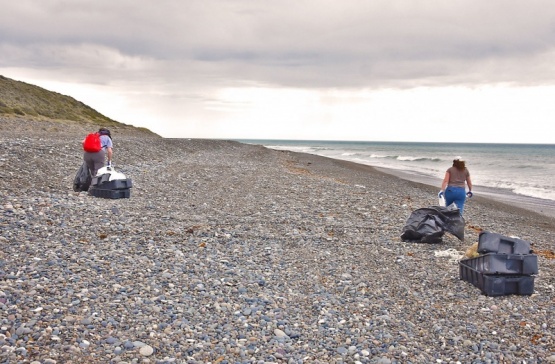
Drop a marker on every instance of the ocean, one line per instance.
(518, 174)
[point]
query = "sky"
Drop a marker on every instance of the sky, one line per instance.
(379, 70)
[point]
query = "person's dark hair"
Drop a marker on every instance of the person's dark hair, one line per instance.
(459, 164)
(105, 131)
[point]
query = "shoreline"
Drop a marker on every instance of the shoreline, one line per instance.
(533, 204)
(542, 206)
(481, 201)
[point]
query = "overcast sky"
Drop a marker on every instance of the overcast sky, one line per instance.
(444, 70)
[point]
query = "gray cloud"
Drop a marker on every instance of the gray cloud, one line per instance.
(306, 44)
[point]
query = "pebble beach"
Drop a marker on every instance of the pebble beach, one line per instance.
(234, 253)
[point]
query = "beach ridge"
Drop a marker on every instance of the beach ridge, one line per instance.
(228, 252)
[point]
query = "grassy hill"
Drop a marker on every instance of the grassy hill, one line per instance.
(25, 100)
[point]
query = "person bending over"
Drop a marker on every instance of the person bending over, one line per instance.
(95, 161)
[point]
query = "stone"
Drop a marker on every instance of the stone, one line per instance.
(146, 350)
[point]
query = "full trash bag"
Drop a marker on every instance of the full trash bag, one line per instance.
(83, 179)
(429, 224)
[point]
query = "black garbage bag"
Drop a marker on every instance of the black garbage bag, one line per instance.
(429, 224)
(83, 179)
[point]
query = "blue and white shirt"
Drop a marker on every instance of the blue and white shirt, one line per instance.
(105, 141)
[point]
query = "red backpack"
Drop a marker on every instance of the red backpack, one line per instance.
(92, 143)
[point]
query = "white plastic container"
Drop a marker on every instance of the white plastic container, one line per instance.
(441, 201)
(112, 172)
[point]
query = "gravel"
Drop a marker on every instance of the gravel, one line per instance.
(234, 253)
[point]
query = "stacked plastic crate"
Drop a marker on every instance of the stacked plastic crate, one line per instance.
(105, 186)
(506, 266)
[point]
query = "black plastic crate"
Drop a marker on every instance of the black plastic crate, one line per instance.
(497, 243)
(497, 285)
(117, 184)
(495, 263)
(112, 194)
(98, 180)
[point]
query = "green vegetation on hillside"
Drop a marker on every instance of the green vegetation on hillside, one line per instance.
(20, 98)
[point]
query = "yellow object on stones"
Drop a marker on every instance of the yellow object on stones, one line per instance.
(472, 252)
